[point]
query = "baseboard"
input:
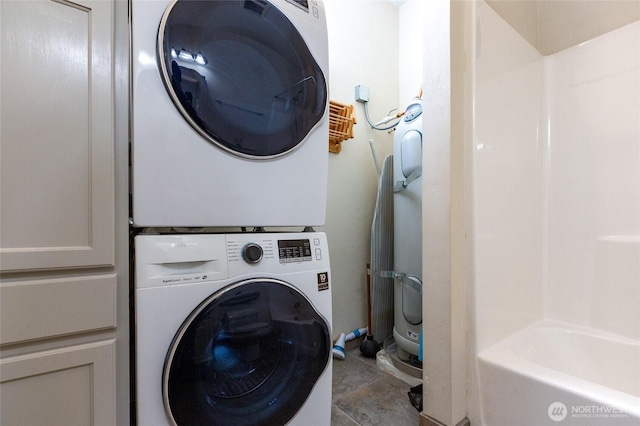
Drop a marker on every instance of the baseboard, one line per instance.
(426, 420)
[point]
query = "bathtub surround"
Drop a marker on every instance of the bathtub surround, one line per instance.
(594, 185)
(556, 147)
(508, 162)
(555, 160)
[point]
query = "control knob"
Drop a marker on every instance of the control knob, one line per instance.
(252, 253)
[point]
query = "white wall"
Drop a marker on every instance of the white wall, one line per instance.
(444, 292)
(410, 50)
(363, 49)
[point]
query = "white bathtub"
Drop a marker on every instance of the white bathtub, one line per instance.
(557, 374)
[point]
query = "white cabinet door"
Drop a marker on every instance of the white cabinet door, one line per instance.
(36, 308)
(69, 386)
(57, 213)
(56, 134)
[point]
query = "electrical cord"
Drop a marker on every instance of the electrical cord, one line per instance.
(366, 113)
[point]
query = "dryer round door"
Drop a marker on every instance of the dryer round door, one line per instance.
(241, 74)
(249, 354)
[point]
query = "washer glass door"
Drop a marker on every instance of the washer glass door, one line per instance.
(241, 74)
(249, 354)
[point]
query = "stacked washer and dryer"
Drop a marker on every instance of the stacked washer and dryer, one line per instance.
(229, 131)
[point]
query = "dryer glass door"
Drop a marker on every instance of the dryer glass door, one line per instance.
(241, 74)
(249, 354)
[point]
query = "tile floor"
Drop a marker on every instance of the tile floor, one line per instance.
(363, 394)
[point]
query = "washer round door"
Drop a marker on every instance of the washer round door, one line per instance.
(241, 74)
(250, 354)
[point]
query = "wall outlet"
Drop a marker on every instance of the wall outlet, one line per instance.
(362, 93)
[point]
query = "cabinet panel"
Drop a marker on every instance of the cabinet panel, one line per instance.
(56, 134)
(44, 308)
(70, 386)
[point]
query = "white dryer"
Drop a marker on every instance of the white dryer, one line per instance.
(233, 329)
(229, 113)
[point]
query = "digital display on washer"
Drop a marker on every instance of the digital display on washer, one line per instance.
(294, 250)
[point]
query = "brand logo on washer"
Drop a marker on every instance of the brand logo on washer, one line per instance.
(183, 244)
(323, 281)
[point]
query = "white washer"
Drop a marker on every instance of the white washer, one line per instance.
(229, 113)
(233, 329)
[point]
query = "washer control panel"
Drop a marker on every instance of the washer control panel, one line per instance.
(177, 259)
(265, 250)
(298, 250)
